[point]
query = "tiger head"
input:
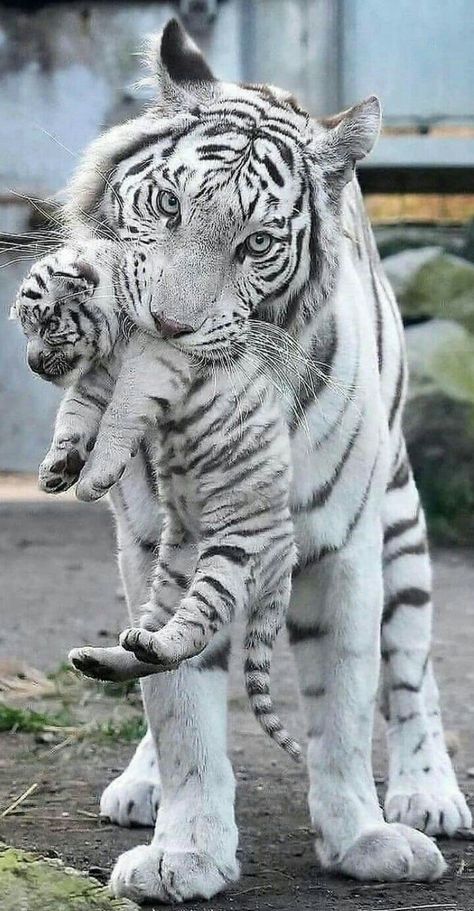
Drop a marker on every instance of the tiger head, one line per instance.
(223, 202)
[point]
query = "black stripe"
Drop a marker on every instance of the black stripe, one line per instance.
(400, 478)
(406, 597)
(234, 554)
(322, 494)
(313, 380)
(138, 167)
(399, 528)
(420, 548)
(299, 633)
(224, 592)
(32, 295)
(397, 395)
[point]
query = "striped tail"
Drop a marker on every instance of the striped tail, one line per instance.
(258, 647)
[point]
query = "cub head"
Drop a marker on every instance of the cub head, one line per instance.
(224, 201)
(67, 331)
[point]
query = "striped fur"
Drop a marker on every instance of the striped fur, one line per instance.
(243, 160)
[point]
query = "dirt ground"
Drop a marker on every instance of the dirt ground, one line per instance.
(59, 589)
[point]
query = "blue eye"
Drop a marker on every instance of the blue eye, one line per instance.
(168, 203)
(259, 244)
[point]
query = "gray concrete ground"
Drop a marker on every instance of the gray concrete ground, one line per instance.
(59, 589)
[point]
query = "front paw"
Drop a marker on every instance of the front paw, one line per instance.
(62, 466)
(98, 477)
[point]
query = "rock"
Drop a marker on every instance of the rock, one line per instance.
(453, 742)
(439, 425)
(431, 283)
(441, 360)
(31, 882)
(401, 268)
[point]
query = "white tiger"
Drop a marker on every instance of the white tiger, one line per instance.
(211, 166)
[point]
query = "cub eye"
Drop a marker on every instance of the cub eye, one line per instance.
(168, 203)
(258, 244)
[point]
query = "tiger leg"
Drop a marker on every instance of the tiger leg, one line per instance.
(192, 854)
(422, 789)
(334, 629)
(132, 798)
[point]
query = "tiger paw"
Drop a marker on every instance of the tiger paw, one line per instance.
(433, 812)
(63, 464)
(390, 853)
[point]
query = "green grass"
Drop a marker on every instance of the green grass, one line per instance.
(27, 721)
(129, 730)
(65, 677)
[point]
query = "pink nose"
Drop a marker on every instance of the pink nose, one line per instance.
(169, 328)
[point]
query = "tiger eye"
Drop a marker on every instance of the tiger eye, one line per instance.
(168, 203)
(259, 244)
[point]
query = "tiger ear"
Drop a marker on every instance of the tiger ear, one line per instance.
(181, 57)
(351, 135)
(178, 65)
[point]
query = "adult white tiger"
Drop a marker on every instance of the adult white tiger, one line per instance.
(234, 161)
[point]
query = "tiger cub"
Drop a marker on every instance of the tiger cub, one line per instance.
(217, 441)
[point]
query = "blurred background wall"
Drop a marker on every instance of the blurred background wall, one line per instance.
(67, 70)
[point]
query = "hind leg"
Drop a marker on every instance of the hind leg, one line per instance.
(422, 790)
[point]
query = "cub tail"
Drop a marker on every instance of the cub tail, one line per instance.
(259, 640)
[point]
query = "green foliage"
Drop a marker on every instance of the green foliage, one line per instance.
(449, 505)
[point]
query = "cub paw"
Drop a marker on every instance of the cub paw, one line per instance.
(62, 465)
(95, 482)
(113, 663)
(149, 647)
(392, 853)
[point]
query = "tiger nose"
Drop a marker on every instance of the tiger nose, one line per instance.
(34, 356)
(169, 328)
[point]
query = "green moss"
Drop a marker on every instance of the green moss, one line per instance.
(30, 882)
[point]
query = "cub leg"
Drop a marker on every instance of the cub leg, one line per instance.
(334, 628)
(152, 378)
(76, 427)
(422, 790)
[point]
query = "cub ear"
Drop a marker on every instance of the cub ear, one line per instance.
(174, 54)
(352, 134)
(13, 314)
